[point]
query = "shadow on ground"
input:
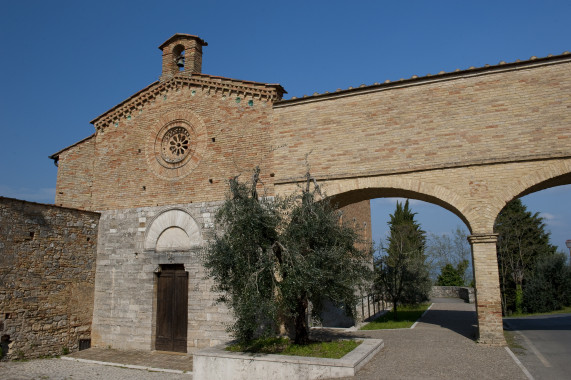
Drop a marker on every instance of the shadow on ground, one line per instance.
(551, 322)
(464, 323)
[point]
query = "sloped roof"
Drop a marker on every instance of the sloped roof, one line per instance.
(502, 65)
(55, 156)
(178, 35)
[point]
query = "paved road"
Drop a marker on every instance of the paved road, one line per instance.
(546, 344)
(441, 346)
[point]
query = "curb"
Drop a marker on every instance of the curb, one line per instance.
(130, 366)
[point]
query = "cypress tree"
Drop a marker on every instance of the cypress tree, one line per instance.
(403, 272)
(522, 241)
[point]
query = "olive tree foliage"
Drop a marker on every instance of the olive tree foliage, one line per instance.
(241, 261)
(522, 241)
(402, 272)
(276, 257)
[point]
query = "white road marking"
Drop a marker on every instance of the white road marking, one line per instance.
(521, 366)
(535, 350)
(426, 311)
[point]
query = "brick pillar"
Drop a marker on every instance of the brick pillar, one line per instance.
(488, 300)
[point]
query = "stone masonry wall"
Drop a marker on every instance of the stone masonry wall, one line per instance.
(47, 273)
(360, 215)
(463, 292)
(125, 289)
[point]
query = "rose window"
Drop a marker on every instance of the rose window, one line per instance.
(175, 145)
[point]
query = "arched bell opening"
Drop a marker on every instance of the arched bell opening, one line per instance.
(179, 57)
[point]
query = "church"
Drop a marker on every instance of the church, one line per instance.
(156, 169)
(117, 261)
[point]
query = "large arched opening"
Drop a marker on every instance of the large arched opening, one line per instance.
(533, 227)
(437, 216)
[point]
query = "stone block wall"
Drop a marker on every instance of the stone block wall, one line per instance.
(47, 274)
(462, 292)
(125, 292)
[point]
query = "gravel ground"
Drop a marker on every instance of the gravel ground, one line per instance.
(58, 369)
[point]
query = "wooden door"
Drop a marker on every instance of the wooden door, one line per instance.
(172, 308)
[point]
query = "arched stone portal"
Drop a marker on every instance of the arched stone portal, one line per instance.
(173, 230)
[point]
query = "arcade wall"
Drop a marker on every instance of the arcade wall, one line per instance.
(501, 114)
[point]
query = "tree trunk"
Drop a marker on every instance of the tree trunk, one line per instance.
(519, 298)
(394, 310)
(301, 327)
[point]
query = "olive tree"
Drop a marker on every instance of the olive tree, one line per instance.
(277, 256)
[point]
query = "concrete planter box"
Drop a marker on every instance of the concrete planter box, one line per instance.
(216, 364)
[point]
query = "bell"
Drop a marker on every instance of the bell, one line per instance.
(180, 61)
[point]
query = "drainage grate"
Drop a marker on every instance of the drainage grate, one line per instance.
(84, 344)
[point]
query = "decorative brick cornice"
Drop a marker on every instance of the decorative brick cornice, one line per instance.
(486, 238)
(211, 84)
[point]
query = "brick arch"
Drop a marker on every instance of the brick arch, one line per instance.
(350, 191)
(554, 174)
(173, 218)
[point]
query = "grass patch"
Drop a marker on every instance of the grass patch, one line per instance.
(511, 341)
(283, 346)
(406, 316)
(565, 310)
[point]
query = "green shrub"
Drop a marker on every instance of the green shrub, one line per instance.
(450, 276)
(549, 287)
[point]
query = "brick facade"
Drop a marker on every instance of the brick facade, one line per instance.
(469, 141)
(232, 131)
(47, 275)
(75, 175)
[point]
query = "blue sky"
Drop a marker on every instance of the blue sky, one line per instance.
(65, 62)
